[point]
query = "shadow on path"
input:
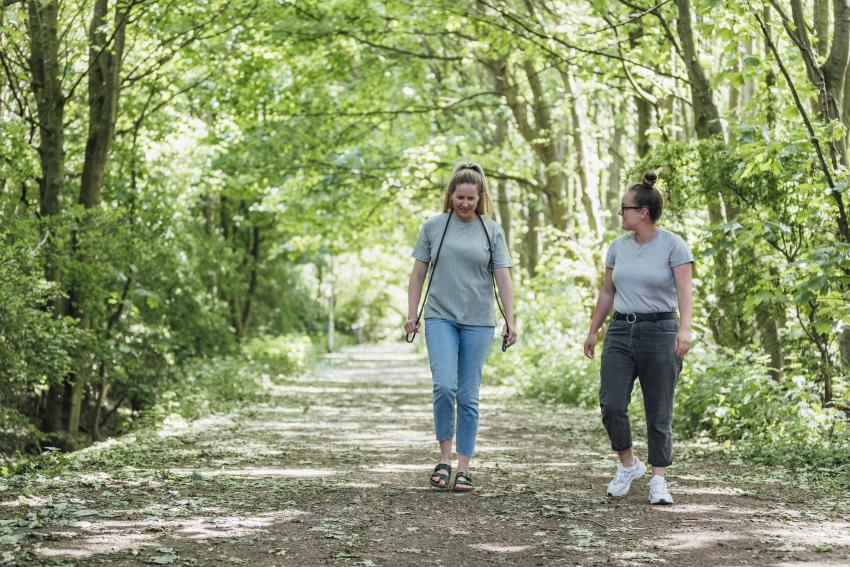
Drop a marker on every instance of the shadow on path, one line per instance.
(334, 469)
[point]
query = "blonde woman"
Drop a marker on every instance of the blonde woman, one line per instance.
(466, 249)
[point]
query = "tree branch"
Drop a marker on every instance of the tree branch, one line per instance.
(634, 18)
(664, 25)
(94, 60)
(420, 110)
(399, 50)
(547, 37)
(640, 92)
(844, 231)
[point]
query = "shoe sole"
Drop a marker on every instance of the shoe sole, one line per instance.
(661, 503)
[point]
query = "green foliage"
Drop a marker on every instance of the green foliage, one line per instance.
(35, 345)
(548, 363)
(372, 312)
(289, 354)
(17, 433)
(214, 384)
(730, 395)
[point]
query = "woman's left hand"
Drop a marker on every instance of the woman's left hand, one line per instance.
(511, 332)
(683, 342)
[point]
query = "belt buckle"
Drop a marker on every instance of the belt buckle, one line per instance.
(631, 318)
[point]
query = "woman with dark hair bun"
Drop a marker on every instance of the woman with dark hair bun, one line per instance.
(647, 276)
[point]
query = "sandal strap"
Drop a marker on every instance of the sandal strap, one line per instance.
(442, 467)
(463, 478)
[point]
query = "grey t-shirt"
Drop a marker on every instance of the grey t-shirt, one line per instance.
(643, 273)
(462, 288)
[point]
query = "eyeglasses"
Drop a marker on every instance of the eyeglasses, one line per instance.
(623, 208)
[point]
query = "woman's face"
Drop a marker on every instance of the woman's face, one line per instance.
(631, 216)
(465, 201)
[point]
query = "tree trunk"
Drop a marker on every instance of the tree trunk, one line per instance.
(102, 392)
(505, 212)
(821, 11)
(540, 137)
(588, 193)
(644, 123)
(844, 347)
(706, 116)
(615, 168)
(530, 245)
(42, 29)
(252, 283)
(500, 192)
(50, 102)
(770, 75)
(834, 71)
(331, 306)
(103, 84)
(735, 92)
(750, 85)
(643, 106)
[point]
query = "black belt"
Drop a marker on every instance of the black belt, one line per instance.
(640, 317)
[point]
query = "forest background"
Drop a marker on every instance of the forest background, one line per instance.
(195, 194)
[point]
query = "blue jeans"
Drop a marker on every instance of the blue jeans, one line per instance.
(457, 354)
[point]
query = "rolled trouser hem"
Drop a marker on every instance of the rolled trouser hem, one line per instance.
(441, 438)
(664, 466)
(614, 448)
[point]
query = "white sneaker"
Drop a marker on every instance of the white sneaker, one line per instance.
(624, 477)
(658, 493)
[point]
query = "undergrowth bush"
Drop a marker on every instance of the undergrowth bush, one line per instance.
(215, 384)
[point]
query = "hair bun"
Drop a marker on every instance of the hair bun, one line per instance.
(649, 178)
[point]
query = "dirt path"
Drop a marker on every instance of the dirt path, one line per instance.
(333, 470)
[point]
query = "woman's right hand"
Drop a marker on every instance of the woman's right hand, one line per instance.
(590, 346)
(411, 326)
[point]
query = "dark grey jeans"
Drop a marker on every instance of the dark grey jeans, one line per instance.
(644, 350)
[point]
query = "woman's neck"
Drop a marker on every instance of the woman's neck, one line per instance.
(472, 219)
(645, 233)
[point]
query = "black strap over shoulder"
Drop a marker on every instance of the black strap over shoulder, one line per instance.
(495, 291)
(411, 336)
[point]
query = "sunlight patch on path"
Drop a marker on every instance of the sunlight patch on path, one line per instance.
(114, 536)
(496, 548)
(254, 472)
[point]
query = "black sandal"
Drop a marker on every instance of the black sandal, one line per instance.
(441, 475)
(463, 480)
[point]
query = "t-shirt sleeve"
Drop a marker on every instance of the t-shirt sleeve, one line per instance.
(680, 253)
(611, 257)
(501, 254)
(422, 249)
